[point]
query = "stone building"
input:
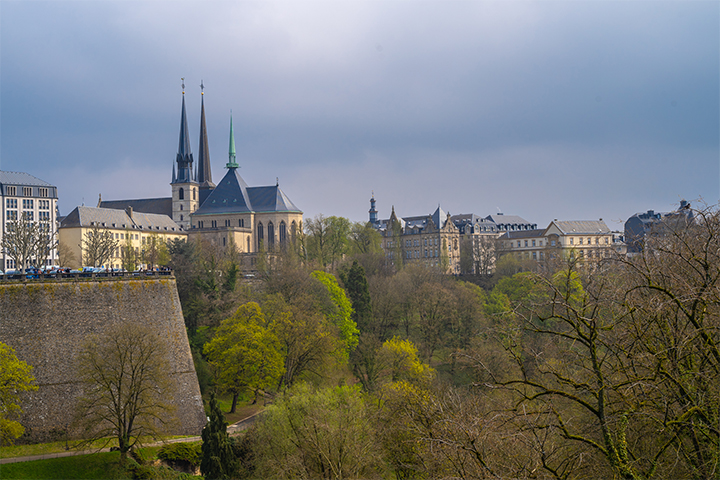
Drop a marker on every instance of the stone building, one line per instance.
(23, 195)
(432, 240)
(641, 225)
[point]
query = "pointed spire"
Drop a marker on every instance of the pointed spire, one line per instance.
(232, 163)
(204, 173)
(184, 157)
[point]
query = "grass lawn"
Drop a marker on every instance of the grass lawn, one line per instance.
(57, 447)
(243, 410)
(99, 465)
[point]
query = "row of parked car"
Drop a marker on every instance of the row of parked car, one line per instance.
(55, 272)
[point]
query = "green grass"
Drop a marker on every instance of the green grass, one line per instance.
(99, 465)
(243, 410)
(57, 447)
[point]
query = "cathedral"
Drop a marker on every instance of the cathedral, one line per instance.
(229, 212)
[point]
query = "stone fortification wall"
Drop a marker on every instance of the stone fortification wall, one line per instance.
(47, 324)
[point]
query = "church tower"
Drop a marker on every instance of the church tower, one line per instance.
(373, 212)
(185, 188)
(204, 173)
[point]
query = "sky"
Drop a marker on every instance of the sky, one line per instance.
(569, 110)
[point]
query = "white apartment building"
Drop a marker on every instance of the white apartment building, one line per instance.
(23, 195)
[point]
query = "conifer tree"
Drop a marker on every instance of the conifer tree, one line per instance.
(218, 459)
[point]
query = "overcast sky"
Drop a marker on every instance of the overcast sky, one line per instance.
(545, 109)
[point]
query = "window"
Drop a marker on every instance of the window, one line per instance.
(260, 235)
(241, 223)
(42, 192)
(27, 191)
(580, 240)
(589, 241)
(44, 204)
(282, 233)
(11, 215)
(213, 223)
(11, 202)
(526, 243)
(271, 234)
(572, 240)
(11, 191)
(181, 194)
(181, 207)
(194, 197)
(533, 243)
(552, 243)
(28, 216)
(181, 218)
(534, 255)
(606, 240)
(28, 204)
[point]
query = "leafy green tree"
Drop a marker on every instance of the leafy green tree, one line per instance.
(327, 239)
(155, 251)
(245, 352)
(317, 434)
(341, 313)
(403, 362)
(218, 461)
(124, 372)
(364, 239)
(15, 377)
(129, 256)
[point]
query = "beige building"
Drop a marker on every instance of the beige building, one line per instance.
(587, 240)
(133, 229)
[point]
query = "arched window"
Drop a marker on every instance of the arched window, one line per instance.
(271, 234)
(282, 233)
(247, 241)
(181, 207)
(293, 230)
(260, 236)
(181, 194)
(194, 192)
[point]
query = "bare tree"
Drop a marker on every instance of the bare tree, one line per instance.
(97, 247)
(26, 241)
(125, 373)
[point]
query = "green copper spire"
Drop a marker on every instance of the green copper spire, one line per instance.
(232, 163)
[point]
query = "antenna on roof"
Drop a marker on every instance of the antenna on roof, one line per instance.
(277, 181)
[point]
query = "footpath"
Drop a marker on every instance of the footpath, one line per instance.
(233, 429)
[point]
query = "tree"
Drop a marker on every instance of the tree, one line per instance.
(245, 352)
(97, 247)
(15, 377)
(327, 239)
(67, 258)
(357, 288)
(324, 434)
(218, 461)
(364, 239)
(129, 255)
(155, 251)
(341, 311)
(26, 241)
(124, 372)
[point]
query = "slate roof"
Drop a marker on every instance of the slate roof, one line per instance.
(112, 218)
(21, 178)
(232, 195)
(159, 206)
(581, 227)
(537, 232)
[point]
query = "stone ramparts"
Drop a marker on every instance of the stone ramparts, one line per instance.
(47, 323)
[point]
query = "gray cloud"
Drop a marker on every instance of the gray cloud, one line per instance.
(544, 109)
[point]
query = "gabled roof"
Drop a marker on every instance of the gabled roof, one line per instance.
(159, 206)
(580, 227)
(119, 219)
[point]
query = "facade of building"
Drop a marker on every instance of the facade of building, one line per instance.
(229, 213)
(23, 195)
(129, 228)
(587, 240)
(431, 240)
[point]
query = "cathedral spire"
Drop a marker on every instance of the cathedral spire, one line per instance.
(184, 157)
(204, 173)
(232, 163)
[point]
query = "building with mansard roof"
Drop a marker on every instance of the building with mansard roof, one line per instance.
(231, 212)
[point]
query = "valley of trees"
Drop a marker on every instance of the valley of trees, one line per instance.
(371, 370)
